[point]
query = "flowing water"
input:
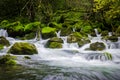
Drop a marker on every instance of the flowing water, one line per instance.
(68, 63)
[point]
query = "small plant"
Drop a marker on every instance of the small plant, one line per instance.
(108, 55)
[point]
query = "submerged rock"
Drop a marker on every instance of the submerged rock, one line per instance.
(4, 41)
(21, 48)
(97, 46)
(48, 32)
(54, 43)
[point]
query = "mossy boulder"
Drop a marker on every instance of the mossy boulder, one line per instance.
(104, 33)
(75, 37)
(56, 39)
(72, 39)
(113, 38)
(23, 48)
(7, 60)
(54, 43)
(97, 46)
(15, 29)
(4, 41)
(28, 36)
(66, 31)
(83, 42)
(48, 32)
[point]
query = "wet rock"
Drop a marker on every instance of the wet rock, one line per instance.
(113, 38)
(72, 39)
(75, 37)
(29, 36)
(54, 43)
(83, 42)
(97, 46)
(7, 60)
(21, 48)
(104, 33)
(48, 32)
(4, 41)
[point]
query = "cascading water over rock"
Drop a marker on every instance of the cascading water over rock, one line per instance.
(72, 62)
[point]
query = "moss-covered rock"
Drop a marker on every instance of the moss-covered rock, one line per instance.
(56, 39)
(97, 46)
(4, 41)
(75, 37)
(72, 39)
(21, 48)
(83, 42)
(54, 43)
(15, 29)
(48, 32)
(28, 36)
(104, 33)
(7, 60)
(113, 38)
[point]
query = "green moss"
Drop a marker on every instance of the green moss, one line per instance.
(113, 38)
(48, 30)
(32, 26)
(97, 46)
(15, 26)
(55, 45)
(105, 33)
(83, 42)
(72, 39)
(28, 36)
(21, 48)
(108, 55)
(118, 31)
(4, 41)
(86, 29)
(1, 46)
(7, 60)
(56, 39)
(4, 23)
